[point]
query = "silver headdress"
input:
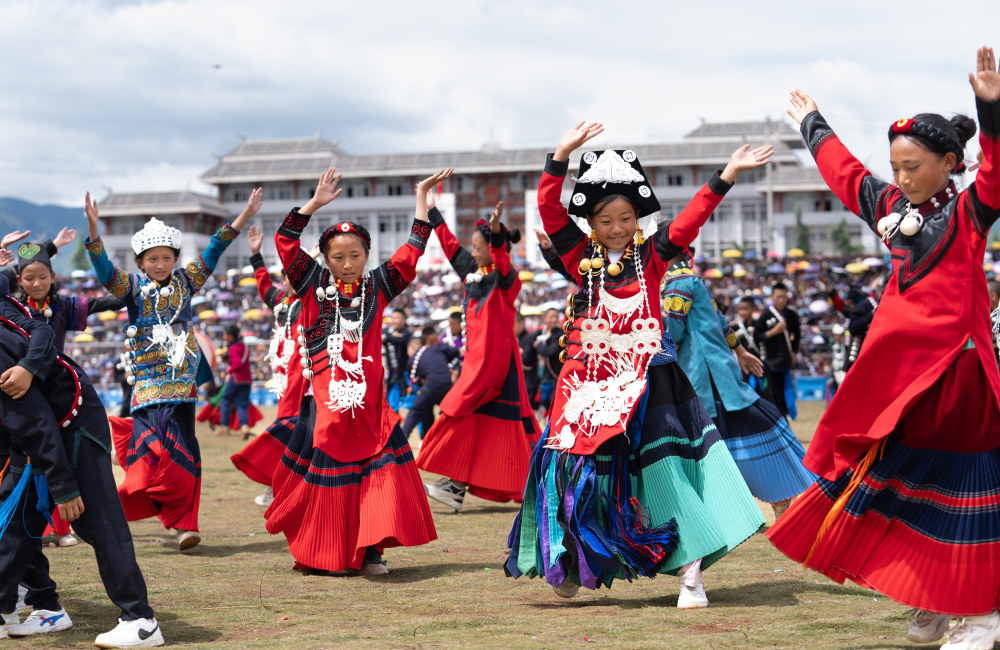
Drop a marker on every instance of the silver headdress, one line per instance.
(156, 233)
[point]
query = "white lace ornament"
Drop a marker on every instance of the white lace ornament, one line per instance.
(348, 393)
(173, 342)
(611, 168)
(593, 403)
(280, 348)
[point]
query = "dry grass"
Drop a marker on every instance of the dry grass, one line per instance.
(237, 590)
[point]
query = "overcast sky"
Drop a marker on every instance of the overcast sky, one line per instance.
(142, 95)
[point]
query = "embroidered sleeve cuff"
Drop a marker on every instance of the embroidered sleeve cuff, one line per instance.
(228, 234)
(815, 131)
(435, 217)
(294, 224)
(94, 248)
(257, 261)
(731, 340)
(556, 167)
(989, 116)
(419, 233)
(717, 185)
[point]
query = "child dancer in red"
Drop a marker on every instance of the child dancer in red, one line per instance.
(908, 454)
(259, 459)
(483, 439)
(347, 487)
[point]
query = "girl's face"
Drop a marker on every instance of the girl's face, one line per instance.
(481, 249)
(346, 256)
(917, 171)
(228, 338)
(36, 280)
(158, 263)
(614, 224)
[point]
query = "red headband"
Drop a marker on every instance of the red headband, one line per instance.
(343, 228)
(903, 126)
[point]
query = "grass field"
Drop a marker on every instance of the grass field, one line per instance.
(237, 590)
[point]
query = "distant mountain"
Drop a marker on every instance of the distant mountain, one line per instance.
(44, 221)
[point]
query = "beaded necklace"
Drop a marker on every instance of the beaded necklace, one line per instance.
(162, 335)
(281, 347)
(44, 309)
(416, 362)
(348, 393)
(473, 278)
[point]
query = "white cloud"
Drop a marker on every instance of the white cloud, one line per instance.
(140, 95)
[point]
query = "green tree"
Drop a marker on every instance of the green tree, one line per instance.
(80, 260)
(801, 231)
(840, 234)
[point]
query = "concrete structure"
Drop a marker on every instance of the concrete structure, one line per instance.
(378, 191)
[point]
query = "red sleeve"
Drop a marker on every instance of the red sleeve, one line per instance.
(509, 280)
(837, 301)
(447, 239)
(858, 190)
(302, 270)
(567, 238)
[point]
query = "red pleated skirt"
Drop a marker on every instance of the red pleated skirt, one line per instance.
(211, 414)
(162, 461)
(923, 527)
(330, 511)
(260, 457)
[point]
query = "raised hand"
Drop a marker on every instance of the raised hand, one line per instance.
(253, 206)
(543, 239)
(90, 209)
(6, 257)
(12, 237)
(495, 217)
(255, 237)
(802, 105)
(65, 236)
(326, 191)
(576, 138)
(986, 79)
(425, 188)
(743, 159)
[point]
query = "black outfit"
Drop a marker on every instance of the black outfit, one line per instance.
(777, 352)
(394, 346)
(76, 463)
(858, 322)
(433, 374)
(548, 349)
(529, 360)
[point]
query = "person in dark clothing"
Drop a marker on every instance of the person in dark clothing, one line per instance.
(778, 332)
(548, 349)
(529, 358)
(859, 319)
(395, 341)
(429, 372)
(59, 438)
(744, 328)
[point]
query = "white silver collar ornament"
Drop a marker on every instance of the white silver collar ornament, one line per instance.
(908, 223)
(281, 347)
(622, 360)
(173, 342)
(156, 233)
(348, 393)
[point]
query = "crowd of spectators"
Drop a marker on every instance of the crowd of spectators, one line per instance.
(232, 297)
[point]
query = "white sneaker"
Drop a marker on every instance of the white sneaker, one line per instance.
(927, 627)
(567, 588)
(140, 633)
(187, 539)
(63, 541)
(41, 621)
(8, 620)
(975, 633)
(692, 597)
(265, 498)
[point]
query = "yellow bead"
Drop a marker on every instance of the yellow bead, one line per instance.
(562, 356)
(569, 313)
(615, 269)
(563, 340)
(596, 263)
(584, 266)
(569, 300)
(566, 325)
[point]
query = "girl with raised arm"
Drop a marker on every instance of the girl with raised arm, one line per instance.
(260, 458)
(632, 477)
(907, 452)
(347, 487)
(160, 453)
(483, 439)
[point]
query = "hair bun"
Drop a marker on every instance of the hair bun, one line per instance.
(965, 127)
(514, 235)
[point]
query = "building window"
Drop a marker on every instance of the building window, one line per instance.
(391, 187)
(237, 193)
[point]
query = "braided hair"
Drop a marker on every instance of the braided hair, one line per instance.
(511, 236)
(937, 134)
(337, 230)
